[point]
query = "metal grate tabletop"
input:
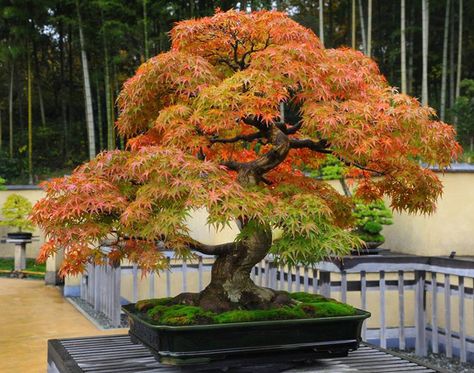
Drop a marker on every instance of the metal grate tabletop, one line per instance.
(119, 354)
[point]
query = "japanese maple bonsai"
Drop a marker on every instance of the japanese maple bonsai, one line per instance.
(226, 120)
(15, 214)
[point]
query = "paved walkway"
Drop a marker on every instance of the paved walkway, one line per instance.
(30, 314)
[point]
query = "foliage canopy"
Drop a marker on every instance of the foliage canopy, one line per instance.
(226, 120)
(15, 212)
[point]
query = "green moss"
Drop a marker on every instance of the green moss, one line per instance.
(161, 312)
(327, 309)
(180, 314)
(309, 298)
(147, 304)
(282, 313)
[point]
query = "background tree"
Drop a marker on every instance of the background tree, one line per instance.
(87, 86)
(444, 73)
(225, 121)
(464, 112)
(425, 13)
(60, 139)
(403, 47)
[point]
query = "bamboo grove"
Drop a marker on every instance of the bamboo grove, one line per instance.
(63, 64)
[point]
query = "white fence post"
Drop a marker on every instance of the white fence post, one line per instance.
(420, 327)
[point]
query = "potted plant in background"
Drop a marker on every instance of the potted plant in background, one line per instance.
(15, 213)
(370, 219)
(226, 121)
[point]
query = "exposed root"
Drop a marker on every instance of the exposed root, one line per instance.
(218, 301)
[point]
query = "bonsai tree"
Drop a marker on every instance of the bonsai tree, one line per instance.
(225, 121)
(15, 212)
(370, 218)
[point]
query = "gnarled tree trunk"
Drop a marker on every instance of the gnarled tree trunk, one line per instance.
(231, 285)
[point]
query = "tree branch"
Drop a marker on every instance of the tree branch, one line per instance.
(294, 128)
(278, 153)
(320, 146)
(213, 249)
(265, 162)
(249, 137)
(359, 166)
(252, 120)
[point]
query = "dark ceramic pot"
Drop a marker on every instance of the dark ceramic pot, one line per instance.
(329, 336)
(20, 235)
(372, 245)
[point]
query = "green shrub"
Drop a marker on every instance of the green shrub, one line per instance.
(15, 213)
(370, 218)
(464, 111)
(331, 169)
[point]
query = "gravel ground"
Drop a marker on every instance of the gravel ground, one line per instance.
(97, 316)
(440, 361)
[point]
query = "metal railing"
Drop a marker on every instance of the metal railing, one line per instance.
(418, 302)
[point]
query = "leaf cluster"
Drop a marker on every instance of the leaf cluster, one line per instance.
(15, 212)
(370, 218)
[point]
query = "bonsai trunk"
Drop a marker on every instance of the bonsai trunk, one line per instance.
(231, 286)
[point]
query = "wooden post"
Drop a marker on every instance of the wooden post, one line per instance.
(447, 313)
(282, 277)
(420, 345)
(267, 272)
(363, 300)
(106, 289)
(434, 314)
(290, 280)
(401, 310)
(305, 279)
(184, 270)
(94, 286)
(200, 270)
(135, 283)
(325, 283)
(273, 273)
(383, 337)
(117, 282)
(343, 287)
(462, 326)
(102, 288)
(151, 288)
(297, 278)
(168, 278)
(315, 280)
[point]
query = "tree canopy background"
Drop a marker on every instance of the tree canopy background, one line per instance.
(119, 35)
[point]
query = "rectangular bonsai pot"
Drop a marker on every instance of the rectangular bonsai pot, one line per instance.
(328, 336)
